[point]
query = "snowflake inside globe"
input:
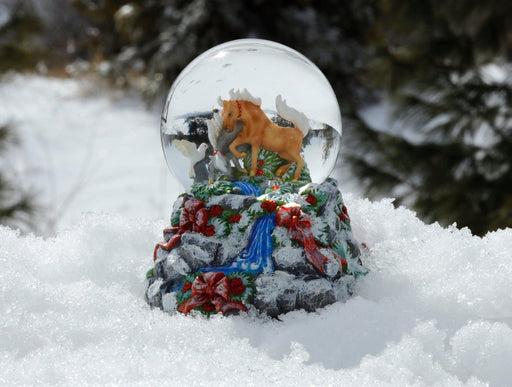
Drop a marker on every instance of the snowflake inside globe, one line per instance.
(251, 110)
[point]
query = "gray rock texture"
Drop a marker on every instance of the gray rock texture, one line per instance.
(294, 282)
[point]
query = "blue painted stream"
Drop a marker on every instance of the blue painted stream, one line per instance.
(257, 256)
(248, 188)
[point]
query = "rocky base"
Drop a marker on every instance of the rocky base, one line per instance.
(227, 250)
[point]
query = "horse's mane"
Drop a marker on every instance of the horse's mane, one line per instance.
(244, 95)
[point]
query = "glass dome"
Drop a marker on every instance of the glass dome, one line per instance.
(261, 70)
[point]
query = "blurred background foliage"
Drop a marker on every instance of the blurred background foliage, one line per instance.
(424, 87)
(16, 206)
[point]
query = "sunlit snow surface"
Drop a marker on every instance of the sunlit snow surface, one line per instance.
(436, 308)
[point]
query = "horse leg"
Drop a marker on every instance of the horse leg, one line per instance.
(254, 159)
(232, 147)
(298, 169)
(291, 158)
(283, 168)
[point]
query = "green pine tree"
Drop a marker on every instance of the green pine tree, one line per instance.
(19, 46)
(448, 147)
(16, 207)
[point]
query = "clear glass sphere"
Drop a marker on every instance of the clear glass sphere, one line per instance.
(266, 70)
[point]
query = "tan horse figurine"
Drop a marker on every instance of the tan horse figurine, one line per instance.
(260, 132)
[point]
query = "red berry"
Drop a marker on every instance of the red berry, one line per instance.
(235, 218)
(311, 199)
(209, 230)
(269, 205)
(216, 211)
(186, 287)
(208, 307)
(260, 162)
(236, 286)
(259, 172)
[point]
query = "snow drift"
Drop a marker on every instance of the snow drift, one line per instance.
(436, 307)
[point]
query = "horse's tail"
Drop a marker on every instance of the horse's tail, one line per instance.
(299, 119)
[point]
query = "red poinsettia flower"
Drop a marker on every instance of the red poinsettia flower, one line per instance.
(236, 286)
(259, 172)
(261, 163)
(194, 217)
(269, 205)
(235, 218)
(311, 199)
(211, 288)
(216, 211)
(299, 229)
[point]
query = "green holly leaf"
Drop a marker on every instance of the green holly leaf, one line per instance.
(204, 191)
(320, 230)
(222, 226)
(304, 178)
(175, 218)
(182, 296)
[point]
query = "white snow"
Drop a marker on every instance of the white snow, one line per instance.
(85, 148)
(436, 308)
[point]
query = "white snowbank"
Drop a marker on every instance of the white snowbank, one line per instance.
(435, 309)
(85, 148)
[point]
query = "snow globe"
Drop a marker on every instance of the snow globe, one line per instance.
(252, 130)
